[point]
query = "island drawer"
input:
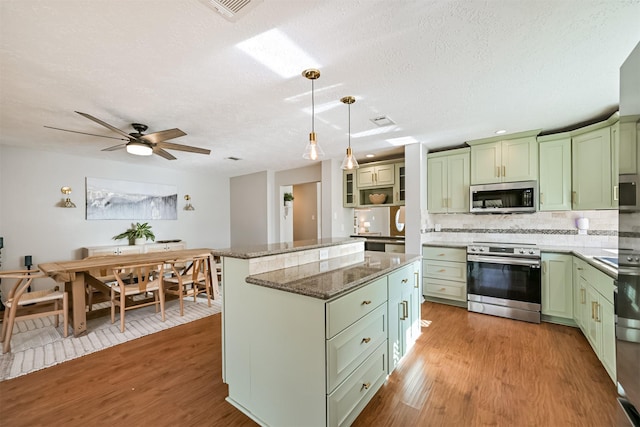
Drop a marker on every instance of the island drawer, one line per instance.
(445, 289)
(445, 270)
(348, 400)
(351, 307)
(445, 254)
(347, 350)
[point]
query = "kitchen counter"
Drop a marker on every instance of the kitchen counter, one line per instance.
(333, 277)
(586, 253)
(257, 251)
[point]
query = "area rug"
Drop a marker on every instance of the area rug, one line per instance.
(37, 344)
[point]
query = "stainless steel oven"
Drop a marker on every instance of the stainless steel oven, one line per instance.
(504, 280)
(627, 311)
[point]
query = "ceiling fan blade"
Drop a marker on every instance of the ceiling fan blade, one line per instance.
(115, 147)
(160, 152)
(172, 146)
(163, 135)
(108, 126)
(85, 133)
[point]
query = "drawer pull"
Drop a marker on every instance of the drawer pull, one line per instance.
(365, 386)
(442, 270)
(443, 289)
(405, 280)
(365, 340)
(417, 280)
(367, 302)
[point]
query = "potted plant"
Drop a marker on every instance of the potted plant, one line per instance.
(137, 234)
(288, 199)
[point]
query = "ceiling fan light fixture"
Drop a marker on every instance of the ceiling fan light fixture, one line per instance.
(349, 161)
(312, 151)
(139, 148)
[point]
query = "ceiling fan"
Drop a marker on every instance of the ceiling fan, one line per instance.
(142, 144)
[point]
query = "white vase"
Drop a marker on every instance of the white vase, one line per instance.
(139, 241)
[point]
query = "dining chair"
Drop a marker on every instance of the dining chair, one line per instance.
(19, 298)
(190, 277)
(137, 280)
(98, 281)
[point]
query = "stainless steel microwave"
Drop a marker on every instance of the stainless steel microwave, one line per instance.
(506, 197)
(629, 193)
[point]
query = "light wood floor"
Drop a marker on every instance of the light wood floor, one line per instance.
(466, 369)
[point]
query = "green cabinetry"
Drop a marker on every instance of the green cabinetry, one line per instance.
(448, 181)
(404, 311)
(349, 191)
(557, 285)
(555, 172)
(504, 159)
(592, 170)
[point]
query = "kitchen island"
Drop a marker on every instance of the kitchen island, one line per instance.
(312, 329)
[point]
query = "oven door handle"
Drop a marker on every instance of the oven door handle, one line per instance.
(535, 263)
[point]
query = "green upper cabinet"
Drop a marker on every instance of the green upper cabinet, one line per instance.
(555, 172)
(497, 159)
(448, 179)
(376, 176)
(628, 142)
(401, 179)
(592, 170)
(349, 192)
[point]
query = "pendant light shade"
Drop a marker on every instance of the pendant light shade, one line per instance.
(349, 161)
(312, 150)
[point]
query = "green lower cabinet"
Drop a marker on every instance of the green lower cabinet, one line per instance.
(557, 285)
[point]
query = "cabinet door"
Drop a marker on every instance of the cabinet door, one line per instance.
(579, 293)
(607, 320)
(400, 184)
(437, 185)
(395, 313)
(486, 162)
(591, 166)
(385, 174)
(520, 159)
(130, 250)
(614, 132)
(557, 289)
(349, 189)
(366, 177)
(458, 181)
(102, 251)
(593, 326)
(555, 175)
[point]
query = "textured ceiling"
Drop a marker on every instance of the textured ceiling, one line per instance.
(444, 71)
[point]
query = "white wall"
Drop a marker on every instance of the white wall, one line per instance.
(249, 201)
(32, 223)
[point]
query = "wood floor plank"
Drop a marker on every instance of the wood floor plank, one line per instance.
(466, 369)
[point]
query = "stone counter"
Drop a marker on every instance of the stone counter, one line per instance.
(333, 277)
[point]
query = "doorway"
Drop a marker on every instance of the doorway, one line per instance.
(301, 220)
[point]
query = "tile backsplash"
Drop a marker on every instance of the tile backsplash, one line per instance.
(541, 228)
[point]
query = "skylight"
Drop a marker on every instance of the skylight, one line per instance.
(277, 52)
(402, 140)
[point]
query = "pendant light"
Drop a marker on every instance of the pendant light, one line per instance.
(312, 150)
(349, 161)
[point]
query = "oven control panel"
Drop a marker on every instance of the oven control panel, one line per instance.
(505, 250)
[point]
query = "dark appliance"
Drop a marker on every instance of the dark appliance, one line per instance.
(506, 197)
(504, 280)
(629, 192)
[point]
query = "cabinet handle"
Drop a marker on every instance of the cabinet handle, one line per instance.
(593, 306)
(397, 196)
(417, 280)
(504, 171)
(498, 171)
(542, 198)
(365, 386)
(405, 309)
(375, 176)
(598, 312)
(544, 267)
(405, 280)
(366, 302)
(440, 254)
(583, 295)
(615, 193)
(443, 289)
(574, 196)
(442, 270)
(365, 340)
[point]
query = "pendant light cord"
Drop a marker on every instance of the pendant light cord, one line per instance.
(313, 109)
(349, 125)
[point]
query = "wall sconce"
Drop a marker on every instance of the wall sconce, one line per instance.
(67, 203)
(188, 206)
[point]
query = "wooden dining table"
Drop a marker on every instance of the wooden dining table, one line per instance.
(76, 274)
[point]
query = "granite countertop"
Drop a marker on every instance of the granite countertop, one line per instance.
(256, 251)
(333, 277)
